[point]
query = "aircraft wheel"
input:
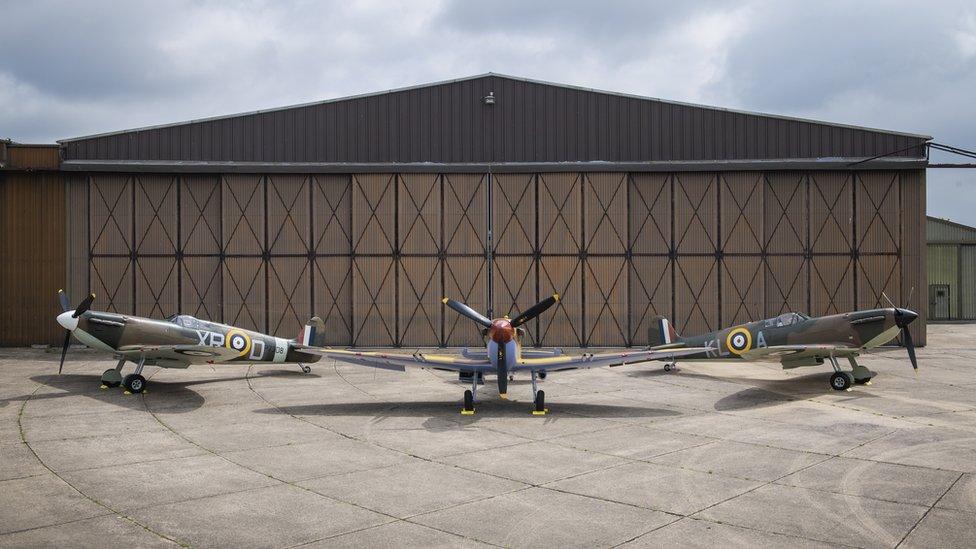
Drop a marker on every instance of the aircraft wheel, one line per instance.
(542, 374)
(111, 378)
(468, 402)
(306, 369)
(865, 381)
(134, 383)
(841, 381)
(668, 367)
(540, 402)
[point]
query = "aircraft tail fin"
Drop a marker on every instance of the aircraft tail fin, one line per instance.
(662, 332)
(313, 334)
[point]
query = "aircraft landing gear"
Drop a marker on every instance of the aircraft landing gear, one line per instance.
(670, 367)
(305, 369)
(134, 383)
(540, 404)
(539, 398)
(468, 409)
(113, 376)
(841, 381)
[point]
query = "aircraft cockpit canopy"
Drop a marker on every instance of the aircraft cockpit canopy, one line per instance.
(785, 319)
(188, 321)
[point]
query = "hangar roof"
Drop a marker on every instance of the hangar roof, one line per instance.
(943, 231)
(526, 122)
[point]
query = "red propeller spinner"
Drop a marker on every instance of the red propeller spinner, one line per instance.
(501, 331)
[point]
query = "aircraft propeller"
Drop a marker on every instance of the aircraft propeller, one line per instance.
(68, 319)
(904, 317)
(502, 331)
(466, 311)
(535, 310)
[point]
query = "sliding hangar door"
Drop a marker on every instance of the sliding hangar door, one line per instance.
(372, 254)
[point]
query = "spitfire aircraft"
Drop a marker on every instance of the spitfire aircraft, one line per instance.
(795, 340)
(503, 355)
(177, 342)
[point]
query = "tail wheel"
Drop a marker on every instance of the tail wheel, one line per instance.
(468, 402)
(134, 383)
(841, 381)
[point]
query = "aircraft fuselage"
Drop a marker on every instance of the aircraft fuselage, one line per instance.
(860, 330)
(111, 332)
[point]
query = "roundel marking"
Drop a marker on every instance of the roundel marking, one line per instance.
(238, 341)
(194, 352)
(739, 340)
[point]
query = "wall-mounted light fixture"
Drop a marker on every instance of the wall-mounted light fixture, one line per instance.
(489, 99)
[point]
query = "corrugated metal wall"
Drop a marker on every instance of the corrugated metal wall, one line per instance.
(951, 262)
(967, 286)
(943, 268)
(32, 245)
(529, 122)
(373, 253)
(943, 230)
(30, 157)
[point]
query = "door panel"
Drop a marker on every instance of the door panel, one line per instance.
(939, 300)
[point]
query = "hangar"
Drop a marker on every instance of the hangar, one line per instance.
(492, 189)
(951, 270)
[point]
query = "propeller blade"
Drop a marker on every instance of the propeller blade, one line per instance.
(65, 302)
(64, 350)
(888, 299)
(468, 312)
(535, 310)
(908, 302)
(83, 306)
(502, 373)
(910, 345)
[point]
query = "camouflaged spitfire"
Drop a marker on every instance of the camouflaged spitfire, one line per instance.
(797, 340)
(177, 342)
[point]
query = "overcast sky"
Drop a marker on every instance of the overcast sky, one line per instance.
(77, 68)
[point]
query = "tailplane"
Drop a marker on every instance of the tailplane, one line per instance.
(313, 334)
(662, 333)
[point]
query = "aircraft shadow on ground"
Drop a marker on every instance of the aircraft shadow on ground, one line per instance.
(763, 393)
(774, 392)
(450, 410)
(176, 396)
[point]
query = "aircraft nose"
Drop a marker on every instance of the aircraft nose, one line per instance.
(67, 321)
(904, 317)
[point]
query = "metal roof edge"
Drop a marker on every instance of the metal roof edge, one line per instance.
(485, 75)
(161, 166)
(950, 223)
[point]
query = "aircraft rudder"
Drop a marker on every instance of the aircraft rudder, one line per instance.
(312, 334)
(662, 332)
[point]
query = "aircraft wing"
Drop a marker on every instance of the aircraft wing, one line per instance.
(399, 362)
(190, 354)
(566, 362)
(777, 353)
